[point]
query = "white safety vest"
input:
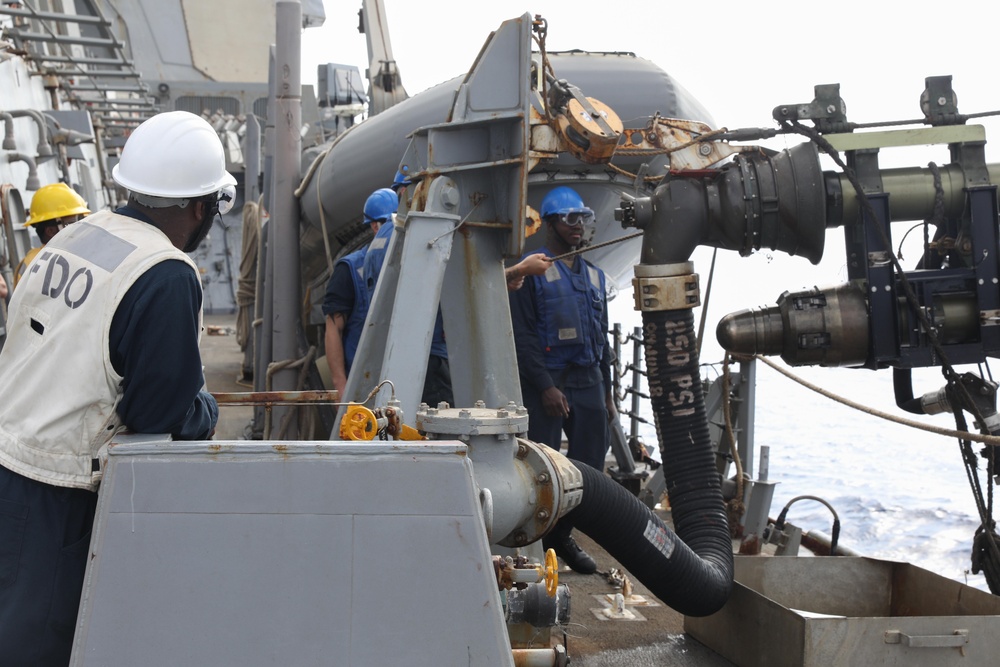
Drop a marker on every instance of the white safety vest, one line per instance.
(60, 389)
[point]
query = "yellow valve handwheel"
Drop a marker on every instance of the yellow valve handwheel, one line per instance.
(359, 423)
(551, 573)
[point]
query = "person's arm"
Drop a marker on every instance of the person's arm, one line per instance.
(154, 346)
(3, 288)
(334, 343)
(533, 265)
(338, 303)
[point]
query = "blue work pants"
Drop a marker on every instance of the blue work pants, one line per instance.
(44, 541)
(586, 427)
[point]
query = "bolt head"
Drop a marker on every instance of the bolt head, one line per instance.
(449, 197)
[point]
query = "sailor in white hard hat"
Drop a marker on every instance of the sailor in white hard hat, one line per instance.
(102, 335)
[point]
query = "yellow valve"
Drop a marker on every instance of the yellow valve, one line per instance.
(359, 423)
(410, 433)
(551, 573)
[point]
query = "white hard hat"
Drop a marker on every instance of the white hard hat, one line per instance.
(173, 155)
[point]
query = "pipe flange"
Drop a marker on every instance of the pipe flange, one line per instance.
(511, 420)
(558, 487)
(663, 270)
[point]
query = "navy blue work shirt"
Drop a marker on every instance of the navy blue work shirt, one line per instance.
(154, 347)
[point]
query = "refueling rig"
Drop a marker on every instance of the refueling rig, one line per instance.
(288, 551)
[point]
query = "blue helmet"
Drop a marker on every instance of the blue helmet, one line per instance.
(380, 205)
(563, 201)
(402, 179)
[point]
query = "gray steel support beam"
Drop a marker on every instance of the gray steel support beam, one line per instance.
(480, 336)
(109, 87)
(396, 341)
(263, 307)
(64, 39)
(145, 102)
(251, 194)
(251, 156)
(285, 320)
(474, 170)
(41, 57)
(50, 16)
(95, 74)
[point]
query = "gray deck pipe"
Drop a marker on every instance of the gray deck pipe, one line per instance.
(8, 131)
(44, 144)
(32, 183)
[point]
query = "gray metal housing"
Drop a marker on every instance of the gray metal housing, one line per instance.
(228, 553)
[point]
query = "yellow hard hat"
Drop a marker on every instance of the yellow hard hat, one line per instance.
(55, 201)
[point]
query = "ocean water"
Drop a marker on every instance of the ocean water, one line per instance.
(900, 493)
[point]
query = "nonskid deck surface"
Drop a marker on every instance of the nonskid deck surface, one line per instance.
(658, 639)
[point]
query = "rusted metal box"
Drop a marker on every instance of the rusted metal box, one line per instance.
(823, 612)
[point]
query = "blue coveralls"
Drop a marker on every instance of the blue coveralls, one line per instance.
(560, 322)
(356, 307)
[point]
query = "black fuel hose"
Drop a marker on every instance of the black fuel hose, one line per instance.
(690, 570)
(902, 385)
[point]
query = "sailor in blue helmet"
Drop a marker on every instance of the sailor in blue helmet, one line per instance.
(560, 322)
(437, 382)
(402, 180)
(345, 304)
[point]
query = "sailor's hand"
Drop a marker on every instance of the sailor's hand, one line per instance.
(555, 403)
(609, 403)
(534, 265)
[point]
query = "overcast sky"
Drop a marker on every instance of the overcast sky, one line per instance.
(740, 59)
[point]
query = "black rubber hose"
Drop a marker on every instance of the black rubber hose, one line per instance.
(690, 570)
(902, 385)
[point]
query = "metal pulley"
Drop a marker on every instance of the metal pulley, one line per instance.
(589, 128)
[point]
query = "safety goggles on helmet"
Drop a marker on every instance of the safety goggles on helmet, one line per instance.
(578, 218)
(227, 197)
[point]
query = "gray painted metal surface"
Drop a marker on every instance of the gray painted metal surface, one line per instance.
(475, 203)
(228, 553)
(842, 612)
